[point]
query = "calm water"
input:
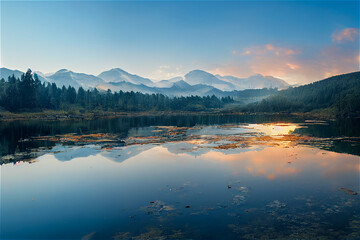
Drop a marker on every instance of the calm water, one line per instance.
(198, 177)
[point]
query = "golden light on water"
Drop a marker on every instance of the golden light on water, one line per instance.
(275, 129)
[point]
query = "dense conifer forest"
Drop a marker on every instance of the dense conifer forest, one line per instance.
(339, 95)
(28, 94)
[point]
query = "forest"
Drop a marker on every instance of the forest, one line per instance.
(338, 95)
(29, 94)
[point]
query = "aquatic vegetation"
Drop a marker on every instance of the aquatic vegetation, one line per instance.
(152, 234)
(348, 191)
(171, 182)
(158, 207)
(276, 204)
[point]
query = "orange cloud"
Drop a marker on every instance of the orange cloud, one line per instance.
(269, 49)
(347, 34)
(294, 65)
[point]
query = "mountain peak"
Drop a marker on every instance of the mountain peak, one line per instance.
(202, 77)
(118, 70)
(63, 71)
(257, 75)
(181, 84)
(119, 75)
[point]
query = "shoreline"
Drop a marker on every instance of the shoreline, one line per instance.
(63, 115)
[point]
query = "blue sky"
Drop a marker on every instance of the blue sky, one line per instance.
(297, 41)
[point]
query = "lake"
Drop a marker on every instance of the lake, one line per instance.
(181, 177)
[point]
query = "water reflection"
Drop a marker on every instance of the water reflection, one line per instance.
(274, 129)
(15, 136)
(230, 181)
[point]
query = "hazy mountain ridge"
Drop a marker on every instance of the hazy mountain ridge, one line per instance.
(5, 73)
(118, 75)
(338, 95)
(196, 82)
(257, 81)
(202, 77)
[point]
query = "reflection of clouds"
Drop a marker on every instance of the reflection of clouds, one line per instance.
(268, 162)
(275, 162)
(336, 164)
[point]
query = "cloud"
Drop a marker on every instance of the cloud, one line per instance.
(268, 49)
(347, 34)
(296, 65)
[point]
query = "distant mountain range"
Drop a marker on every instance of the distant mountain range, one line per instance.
(196, 82)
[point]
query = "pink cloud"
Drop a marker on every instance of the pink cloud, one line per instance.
(347, 34)
(297, 66)
(268, 49)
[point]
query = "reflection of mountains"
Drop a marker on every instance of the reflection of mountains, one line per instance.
(268, 162)
(68, 153)
(124, 153)
(196, 151)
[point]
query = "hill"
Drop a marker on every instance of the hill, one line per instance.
(339, 95)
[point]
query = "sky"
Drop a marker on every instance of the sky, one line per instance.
(298, 41)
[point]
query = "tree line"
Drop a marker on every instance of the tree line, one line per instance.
(28, 93)
(339, 95)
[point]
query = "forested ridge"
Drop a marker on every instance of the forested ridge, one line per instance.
(28, 94)
(339, 95)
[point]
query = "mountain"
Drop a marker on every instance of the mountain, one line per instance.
(179, 88)
(182, 88)
(257, 81)
(202, 77)
(118, 75)
(338, 94)
(5, 73)
(127, 87)
(226, 83)
(196, 82)
(66, 77)
(41, 76)
(181, 84)
(167, 83)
